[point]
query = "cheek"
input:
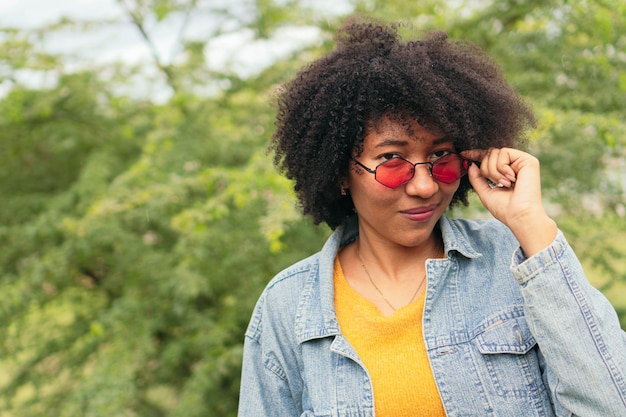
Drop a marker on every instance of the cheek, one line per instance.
(372, 195)
(449, 190)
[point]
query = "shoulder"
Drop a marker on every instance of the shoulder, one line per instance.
(300, 296)
(279, 300)
(472, 237)
(480, 227)
(290, 281)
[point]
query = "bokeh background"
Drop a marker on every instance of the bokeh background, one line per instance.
(141, 215)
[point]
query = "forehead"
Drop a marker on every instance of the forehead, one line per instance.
(401, 126)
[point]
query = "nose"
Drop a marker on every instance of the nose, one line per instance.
(422, 184)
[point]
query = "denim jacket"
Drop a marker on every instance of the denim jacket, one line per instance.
(506, 336)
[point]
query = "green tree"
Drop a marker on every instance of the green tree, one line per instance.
(138, 235)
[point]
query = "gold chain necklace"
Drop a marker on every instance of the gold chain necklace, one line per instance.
(378, 289)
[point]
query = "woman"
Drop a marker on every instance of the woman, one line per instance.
(404, 311)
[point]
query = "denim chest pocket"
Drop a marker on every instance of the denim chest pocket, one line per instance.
(507, 358)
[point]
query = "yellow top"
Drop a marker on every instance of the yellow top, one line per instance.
(393, 351)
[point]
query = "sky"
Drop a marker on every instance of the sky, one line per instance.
(125, 43)
(237, 51)
(30, 13)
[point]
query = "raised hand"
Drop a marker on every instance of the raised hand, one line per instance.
(508, 183)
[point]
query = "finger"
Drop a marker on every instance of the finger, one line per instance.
(475, 155)
(489, 169)
(496, 167)
(504, 166)
(479, 183)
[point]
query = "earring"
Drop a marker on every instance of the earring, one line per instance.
(344, 191)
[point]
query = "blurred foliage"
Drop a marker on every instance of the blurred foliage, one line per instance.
(137, 235)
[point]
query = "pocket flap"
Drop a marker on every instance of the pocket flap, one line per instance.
(511, 335)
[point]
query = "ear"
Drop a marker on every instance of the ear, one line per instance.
(344, 186)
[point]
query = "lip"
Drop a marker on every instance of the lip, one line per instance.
(420, 214)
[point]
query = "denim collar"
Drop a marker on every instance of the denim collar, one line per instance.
(455, 239)
(316, 317)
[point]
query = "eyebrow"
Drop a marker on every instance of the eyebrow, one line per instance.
(391, 142)
(401, 142)
(441, 140)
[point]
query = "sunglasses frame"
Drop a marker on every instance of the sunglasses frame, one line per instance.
(465, 163)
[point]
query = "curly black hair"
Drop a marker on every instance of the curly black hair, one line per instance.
(324, 113)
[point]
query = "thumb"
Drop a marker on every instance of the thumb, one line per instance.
(478, 182)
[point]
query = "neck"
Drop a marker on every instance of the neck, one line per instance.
(396, 262)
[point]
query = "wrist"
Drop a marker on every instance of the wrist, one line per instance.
(534, 232)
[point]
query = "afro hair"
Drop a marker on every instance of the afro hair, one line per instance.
(324, 113)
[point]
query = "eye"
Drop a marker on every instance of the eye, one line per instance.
(389, 155)
(440, 154)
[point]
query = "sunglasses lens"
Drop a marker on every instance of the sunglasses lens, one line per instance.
(395, 172)
(448, 169)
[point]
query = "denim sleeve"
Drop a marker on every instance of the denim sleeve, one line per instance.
(264, 388)
(577, 330)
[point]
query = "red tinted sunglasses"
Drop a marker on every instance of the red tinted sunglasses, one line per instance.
(397, 171)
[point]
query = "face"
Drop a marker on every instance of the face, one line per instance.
(406, 215)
